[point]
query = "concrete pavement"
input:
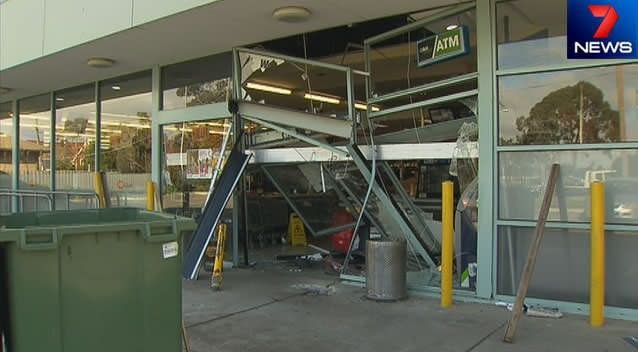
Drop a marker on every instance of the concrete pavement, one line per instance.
(258, 310)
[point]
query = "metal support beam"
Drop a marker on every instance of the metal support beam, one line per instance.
(424, 88)
(298, 136)
(298, 119)
(423, 103)
(298, 155)
(441, 131)
(435, 245)
(423, 151)
(351, 108)
(237, 129)
(193, 114)
(385, 200)
(289, 200)
(338, 185)
(292, 59)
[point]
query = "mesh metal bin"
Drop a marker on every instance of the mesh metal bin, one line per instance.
(386, 269)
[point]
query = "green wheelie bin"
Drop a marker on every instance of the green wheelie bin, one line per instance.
(98, 280)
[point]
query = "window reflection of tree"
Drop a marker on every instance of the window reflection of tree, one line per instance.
(557, 118)
(204, 93)
(179, 143)
(73, 146)
(130, 150)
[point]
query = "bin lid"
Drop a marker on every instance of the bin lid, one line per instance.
(16, 227)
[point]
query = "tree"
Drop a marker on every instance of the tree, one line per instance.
(556, 118)
(204, 93)
(77, 125)
(133, 152)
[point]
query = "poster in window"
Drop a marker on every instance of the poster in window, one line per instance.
(199, 163)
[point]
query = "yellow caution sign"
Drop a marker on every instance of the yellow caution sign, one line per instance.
(296, 231)
(218, 268)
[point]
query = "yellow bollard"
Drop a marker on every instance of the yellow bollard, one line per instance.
(99, 189)
(447, 255)
(597, 288)
(150, 196)
(218, 266)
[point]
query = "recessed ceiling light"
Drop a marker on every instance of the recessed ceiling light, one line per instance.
(291, 14)
(452, 27)
(59, 99)
(116, 87)
(100, 62)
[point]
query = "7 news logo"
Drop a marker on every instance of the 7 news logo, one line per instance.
(602, 29)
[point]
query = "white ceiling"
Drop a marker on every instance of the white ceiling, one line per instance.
(202, 31)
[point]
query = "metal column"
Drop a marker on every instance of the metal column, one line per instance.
(237, 129)
(156, 137)
(98, 128)
(487, 133)
(52, 138)
(15, 153)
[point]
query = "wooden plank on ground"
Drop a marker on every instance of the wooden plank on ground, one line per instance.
(517, 311)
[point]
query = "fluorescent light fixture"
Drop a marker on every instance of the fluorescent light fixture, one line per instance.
(71, 134)
(116, 87)
(124, 115)
(179, 129)
(105, 130)
(218, 124)
(321, 98)
(35, 117)
(30, 125)
(362, 106)
(59, 99)
(452, 27)
(268, 88)
(123, 124)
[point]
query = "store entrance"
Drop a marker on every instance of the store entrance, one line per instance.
(347, 155)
